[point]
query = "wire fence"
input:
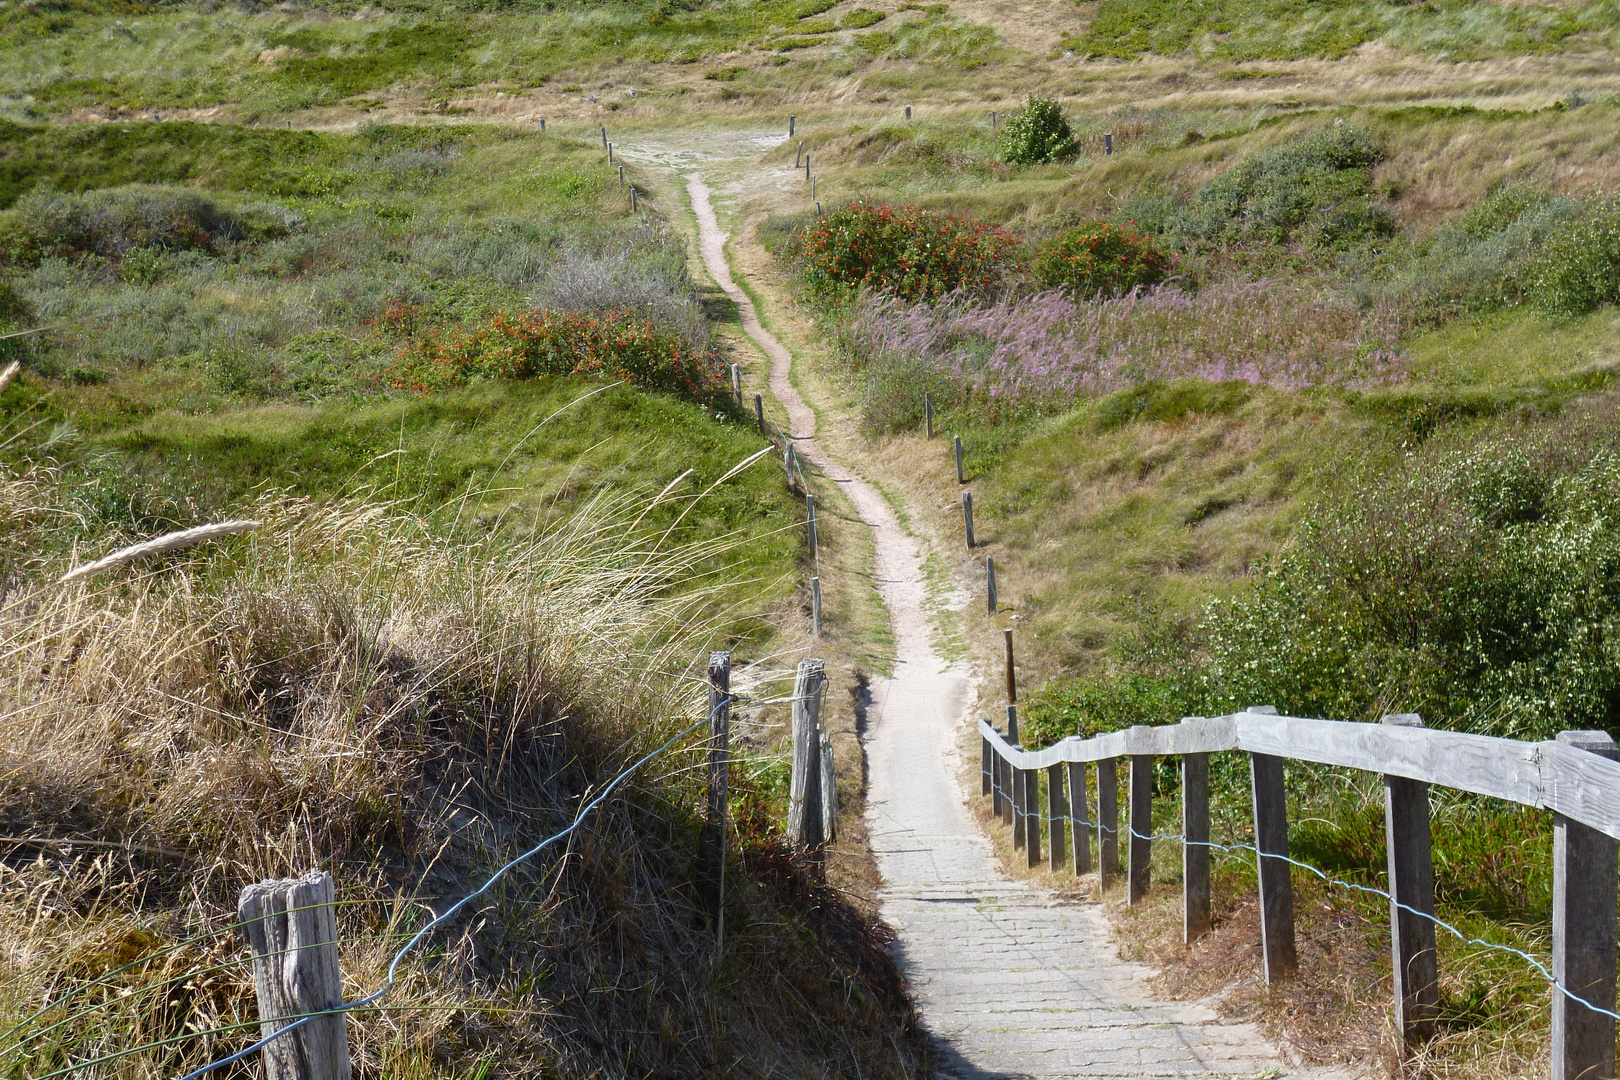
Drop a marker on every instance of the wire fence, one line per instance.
(1234, 847)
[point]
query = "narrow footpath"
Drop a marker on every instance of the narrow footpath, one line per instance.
(1011, 983)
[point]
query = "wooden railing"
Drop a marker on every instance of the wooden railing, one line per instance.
(1577, 776)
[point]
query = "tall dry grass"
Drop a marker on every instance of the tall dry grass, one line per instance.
(370, 690)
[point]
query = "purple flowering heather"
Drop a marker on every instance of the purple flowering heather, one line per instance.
(1043, 351)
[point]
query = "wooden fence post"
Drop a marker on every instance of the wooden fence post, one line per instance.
(736, 383)
(1108, 142)
(1411, 883)
(759, 412)
(621, 177)
(798, 155)
(1079, 817)
(1141, 867)
(990, 585)
(928, 414)
(908, 112)
(810, 522)
(1032, 815)
(987, 780)
(1018, 809)
(1107, 822)
(633, 199)
(1008, 791)
(1585, 868)
(1276, 885)
(961, 475)
(292, 927)
(1194, 847)
(610, 153)
(815, 607)
(804, 790)
(712, 841)
(791, 120)
(1057, 810)
(967, 516)
(604, 138)
(829, 790)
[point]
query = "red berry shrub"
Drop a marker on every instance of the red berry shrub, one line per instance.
(1100, 258)
(906, 251)
(617, 344)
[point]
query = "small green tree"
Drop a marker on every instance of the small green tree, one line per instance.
(1037, 133)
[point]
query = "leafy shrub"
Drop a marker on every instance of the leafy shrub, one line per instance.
(1100, 258)
(1318, 186)
(116, 221)
(859, 19)
(1580, 269)
(617, 344)
(912, 253)
(1037, 133)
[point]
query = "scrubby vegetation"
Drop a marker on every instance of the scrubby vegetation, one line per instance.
(1099, 257)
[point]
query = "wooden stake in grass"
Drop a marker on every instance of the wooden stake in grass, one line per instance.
(791, 119)
(759, 412)
(804, 785)
(632, 198)
(798, 155)
(815, 607)
(908, 114)
(1108, 142)
(990, 585)
(810, 523)
(807, 166)
(292, 929)
(992, 121)
(542, 125)
(736, 382)
(621, 177)
(162, 545)
(712, 842)
(604, 138)
(829, 790)
(610, 153)
(967, 516)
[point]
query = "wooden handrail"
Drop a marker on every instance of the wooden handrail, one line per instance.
(1547, 775)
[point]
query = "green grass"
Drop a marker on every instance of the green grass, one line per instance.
(1241, 30)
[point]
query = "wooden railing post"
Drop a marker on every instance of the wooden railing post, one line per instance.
(1586, 864)
(292, 927)
(1276, 884)
(1141, 867)
(829, 790)
(1194, 847)
(1107, 822)
(804, 790)
(1032, 815)
(1057, 809)
(712, 840)
(1411, 883)
(1018, 810)
(987, 779)
(1005, 782)
(1079, 817)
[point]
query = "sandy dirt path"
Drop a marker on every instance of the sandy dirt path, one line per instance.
(1011, 982)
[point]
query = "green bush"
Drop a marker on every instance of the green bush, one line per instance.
(913, 253)
(1580, 269)
(1100, 258)
(115, 222)
(1036, 134)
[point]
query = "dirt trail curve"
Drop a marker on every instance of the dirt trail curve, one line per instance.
(1011, 983)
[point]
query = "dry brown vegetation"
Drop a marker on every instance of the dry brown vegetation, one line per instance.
(361, 688)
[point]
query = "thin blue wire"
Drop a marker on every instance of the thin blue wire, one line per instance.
(1541, 968)
(451, 910)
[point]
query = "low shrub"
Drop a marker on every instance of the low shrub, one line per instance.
(116, 221)
(1580, 269)
(1100, 258)
(616, 344)
(1036, 134)
(906, 251)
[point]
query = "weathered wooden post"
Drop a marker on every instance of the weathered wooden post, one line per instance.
(908, 113)
(291, 926)
(798, 155)
(815, 607)
(1194, 847)
(712, 841)
(790, 463)
(1411, 883)
(736, 383)
(604, 138)
(1012, 688)
(814, 180)
(804, 787)
(829, 790)
(610, 153)
(961, 477)
(791, 120)
(1018, 810)
(990, 585)
(807, 166)
(992, 121)
(928, 414)
(1032, 815)
(1107, 822)
(1108, 142)
(1276, 884)
(818, 209)
(759, 412)
(621, 177)
(542, 125)
(967, 516)
(810, 523)
(1057, 810)
(1586, 864)
(1079, 817)
(1141, 866)
(987, 780)
(633, 208)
